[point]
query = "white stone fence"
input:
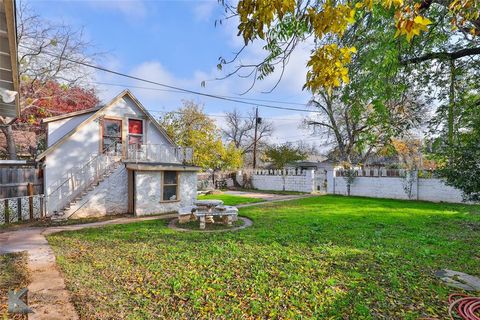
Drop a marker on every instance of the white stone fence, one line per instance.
(21, 208)
(279, 180)
(395, 184)
(379, 183)
(277, 172)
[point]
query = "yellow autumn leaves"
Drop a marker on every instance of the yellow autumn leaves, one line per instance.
(329, 63)
(331, 19)
(256, 15)
(328, 67)
(410, 27)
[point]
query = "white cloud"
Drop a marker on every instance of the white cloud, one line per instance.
(203, 10)
(131, 9)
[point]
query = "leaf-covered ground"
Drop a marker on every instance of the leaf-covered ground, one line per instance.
(218, 225)
(13, 276)
(230, 200)
(327, 257)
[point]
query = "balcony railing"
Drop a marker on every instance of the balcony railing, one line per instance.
(159, 153)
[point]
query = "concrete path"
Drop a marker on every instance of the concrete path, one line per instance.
(265, 196)
(268, 197)
(47, 294)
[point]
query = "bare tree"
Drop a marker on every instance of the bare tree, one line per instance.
(47, 51)
(241, 131)
(356, 130)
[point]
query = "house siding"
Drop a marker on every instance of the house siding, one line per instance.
(148, 192)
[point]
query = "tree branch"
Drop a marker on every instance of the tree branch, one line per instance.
(443, 56)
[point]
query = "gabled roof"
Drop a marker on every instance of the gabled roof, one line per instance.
(70, 114)
(95, 115)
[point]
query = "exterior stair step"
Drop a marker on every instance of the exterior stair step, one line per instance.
(87, 189)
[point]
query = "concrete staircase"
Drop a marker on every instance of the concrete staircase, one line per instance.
(71, 207)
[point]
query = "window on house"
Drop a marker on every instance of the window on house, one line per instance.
(112, 135)
(135, 132)
(170, 184)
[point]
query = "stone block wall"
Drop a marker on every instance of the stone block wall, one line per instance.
(148, 195)
(281, 180)
(433, 189)
(110, 197)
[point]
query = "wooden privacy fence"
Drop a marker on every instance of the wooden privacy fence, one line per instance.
(20, 181)
(21, 208)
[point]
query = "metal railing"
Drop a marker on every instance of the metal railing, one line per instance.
(76, 181)
(159, 153)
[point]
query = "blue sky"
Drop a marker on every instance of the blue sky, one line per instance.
(176, 42)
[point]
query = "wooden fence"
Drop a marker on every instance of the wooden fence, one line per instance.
(20, 181)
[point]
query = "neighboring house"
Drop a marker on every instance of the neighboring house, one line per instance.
(9, 84)
(112, 160)
(313, 162)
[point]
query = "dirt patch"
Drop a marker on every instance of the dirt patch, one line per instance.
(173, 224)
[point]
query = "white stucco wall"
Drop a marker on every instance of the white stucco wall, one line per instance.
(390, 187)
(278, 181)
(68, 157)
(436, 190)
(148, 192)
(108, 198)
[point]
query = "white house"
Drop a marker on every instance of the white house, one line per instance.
(112, 160)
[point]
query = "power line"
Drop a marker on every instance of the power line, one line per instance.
(218, 115)
(177, 91)
(169, 86)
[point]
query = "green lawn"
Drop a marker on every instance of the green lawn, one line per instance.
(13, 276)
(327, 257)
(230, 200)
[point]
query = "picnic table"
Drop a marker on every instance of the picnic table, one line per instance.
(206, 210)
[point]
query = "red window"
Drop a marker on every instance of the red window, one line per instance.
(135, 132)
(135, 126)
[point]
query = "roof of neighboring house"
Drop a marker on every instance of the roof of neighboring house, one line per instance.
(8, 57)
(70, 114)
(95, 115)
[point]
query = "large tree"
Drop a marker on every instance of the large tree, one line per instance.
(46, 54)
(51, 99)
(189, 126)
(358, 130)
(281, 155)
(240, 130)
(282, 25)
(459, 162)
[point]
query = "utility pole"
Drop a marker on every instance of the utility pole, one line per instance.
(255, 139)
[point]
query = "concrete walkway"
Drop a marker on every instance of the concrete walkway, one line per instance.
(48, 296)
(268, 197)
(265, 196)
